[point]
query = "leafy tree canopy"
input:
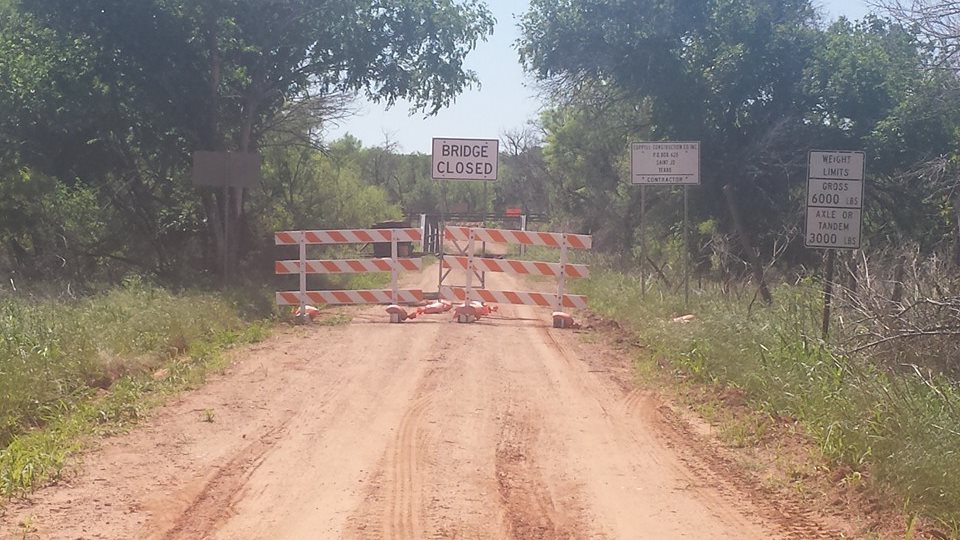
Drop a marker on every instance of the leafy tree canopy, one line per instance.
(759, 82)
(114, 95)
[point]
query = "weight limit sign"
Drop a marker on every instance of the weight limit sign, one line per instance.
(834, 199)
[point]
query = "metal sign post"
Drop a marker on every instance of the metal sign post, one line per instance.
(643, 240)
(523, 227)
(829, 263)
(483, 246)
(686, 246)
(561, 279)
(226, 232)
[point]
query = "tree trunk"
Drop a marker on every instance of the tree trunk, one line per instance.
(956, 238)
(223, 206)
(659, 271)
(747, 244)
(214, 199)
(899, 274)
(853, 273)
(628, 238)
(20, 255)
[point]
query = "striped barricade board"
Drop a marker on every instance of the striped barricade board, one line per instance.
(468, 261)
(350, 266)
(347, 236)
(528, 238)
(531, 268)
(303, 267)
(385, 296)
(459, 294)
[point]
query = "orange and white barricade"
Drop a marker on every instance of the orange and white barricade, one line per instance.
(474, 266)
(304, 267)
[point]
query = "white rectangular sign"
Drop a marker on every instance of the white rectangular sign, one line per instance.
(834, 199)
(835, 228)
(465, 159)
(665, 163)
(839, 165)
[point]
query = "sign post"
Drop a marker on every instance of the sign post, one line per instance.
(643, 240)
(667, 163)
(686, 246)
(834, 210)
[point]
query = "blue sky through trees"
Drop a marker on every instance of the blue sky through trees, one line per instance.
(506, 100)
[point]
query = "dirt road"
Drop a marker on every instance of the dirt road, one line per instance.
(505, 428)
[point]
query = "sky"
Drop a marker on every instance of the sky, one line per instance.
(505, 101)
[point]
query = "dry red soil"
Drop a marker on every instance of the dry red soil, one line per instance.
(505, 428)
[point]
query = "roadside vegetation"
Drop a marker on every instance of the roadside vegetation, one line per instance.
(879, 397)
(70, 368)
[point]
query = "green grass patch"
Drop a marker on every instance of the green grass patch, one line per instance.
(348, 282)
(72, 368)
(896, 428)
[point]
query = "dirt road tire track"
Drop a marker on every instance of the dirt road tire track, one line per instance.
(216, 498)
(404, 498)
(531, 513)
(429, 429)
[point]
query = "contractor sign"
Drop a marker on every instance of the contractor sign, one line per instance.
(665, 163)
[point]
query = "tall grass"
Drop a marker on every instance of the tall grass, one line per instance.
(69, 366)
(900, 428)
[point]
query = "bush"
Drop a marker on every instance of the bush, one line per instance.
(54, 354)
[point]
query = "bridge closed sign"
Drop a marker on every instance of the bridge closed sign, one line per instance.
(834, 199)
(465, 159)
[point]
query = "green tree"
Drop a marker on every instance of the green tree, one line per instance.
(586, 144)
(524, 175)
(726, 73)
(871, 87)
(165, 77)
(759, 83)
